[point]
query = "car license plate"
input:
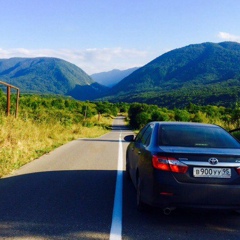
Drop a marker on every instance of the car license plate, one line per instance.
(212, 172)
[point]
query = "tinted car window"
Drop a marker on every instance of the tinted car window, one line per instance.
(147, 135)
(196, 136)
(140, 134)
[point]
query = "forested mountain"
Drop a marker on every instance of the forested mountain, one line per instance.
(113, 77)
(200, 73)
(207, 73)
(47, 75)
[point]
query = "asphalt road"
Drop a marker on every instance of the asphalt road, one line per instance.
(69, 194)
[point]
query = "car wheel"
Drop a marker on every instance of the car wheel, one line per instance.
(140, 205)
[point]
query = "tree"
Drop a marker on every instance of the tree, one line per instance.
(134, 110)
(158, 115)
(142, 119)
(182, 115)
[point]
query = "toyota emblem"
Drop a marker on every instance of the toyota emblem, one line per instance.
(213, 161)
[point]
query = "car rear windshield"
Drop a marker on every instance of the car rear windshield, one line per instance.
(196, 136)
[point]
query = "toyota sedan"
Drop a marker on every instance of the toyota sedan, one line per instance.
(175, 164)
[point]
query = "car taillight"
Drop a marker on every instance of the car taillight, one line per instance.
(169, 164)
(238, 170)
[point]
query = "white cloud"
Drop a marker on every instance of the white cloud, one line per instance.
(228, 37)
(90, 60)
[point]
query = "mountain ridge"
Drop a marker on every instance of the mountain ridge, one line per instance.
(45, 75)
(191, 67)
(170, 66)
(198, 73)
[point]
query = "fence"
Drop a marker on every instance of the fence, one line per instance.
(9, 98)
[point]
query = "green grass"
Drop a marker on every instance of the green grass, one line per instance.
(22, 141)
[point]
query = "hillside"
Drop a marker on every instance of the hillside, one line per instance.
(46, 75)
(207, 73)
(113, 77)
(196, 73)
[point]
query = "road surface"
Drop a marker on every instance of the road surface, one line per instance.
(79, 191)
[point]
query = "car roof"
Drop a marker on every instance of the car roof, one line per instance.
(185, 123)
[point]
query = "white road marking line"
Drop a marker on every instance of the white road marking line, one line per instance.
(116, 227)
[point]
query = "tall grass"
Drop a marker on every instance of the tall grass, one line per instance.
(22, 140)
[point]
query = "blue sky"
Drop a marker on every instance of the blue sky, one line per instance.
(101, 35)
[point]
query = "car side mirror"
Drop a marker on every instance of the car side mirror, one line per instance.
(129, 138)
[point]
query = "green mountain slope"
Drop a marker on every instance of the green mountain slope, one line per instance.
(196, 73)
(45, 75)
(207, 73)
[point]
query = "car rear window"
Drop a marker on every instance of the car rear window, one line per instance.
(196, 136)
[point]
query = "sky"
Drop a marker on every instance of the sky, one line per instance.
(101, 35)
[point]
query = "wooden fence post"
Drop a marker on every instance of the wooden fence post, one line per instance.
(17, 103)
(8, 100)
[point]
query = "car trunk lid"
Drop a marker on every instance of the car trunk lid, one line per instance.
(212, 166)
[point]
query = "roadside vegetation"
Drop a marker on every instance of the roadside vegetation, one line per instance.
(47, 122)
(229, 118)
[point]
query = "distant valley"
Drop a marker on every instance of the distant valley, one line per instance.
(113, 77)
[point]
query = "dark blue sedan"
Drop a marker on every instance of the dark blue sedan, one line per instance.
(175, 164)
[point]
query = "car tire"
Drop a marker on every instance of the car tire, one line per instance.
(141, 206)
